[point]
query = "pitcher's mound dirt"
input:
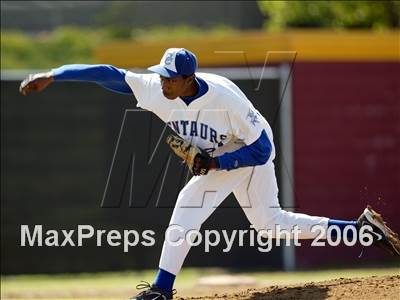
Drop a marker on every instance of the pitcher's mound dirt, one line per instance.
(383, 287)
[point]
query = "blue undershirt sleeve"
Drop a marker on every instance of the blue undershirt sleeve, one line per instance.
(106, 76)
(255, 154)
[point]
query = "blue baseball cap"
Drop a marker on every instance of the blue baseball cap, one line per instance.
(176, 62)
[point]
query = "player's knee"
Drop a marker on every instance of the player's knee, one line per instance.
(268, 219)
(180, 232)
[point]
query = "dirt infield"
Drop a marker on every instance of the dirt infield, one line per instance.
(383, 287)
(372, 287)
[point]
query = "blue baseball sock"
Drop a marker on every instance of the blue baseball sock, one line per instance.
(342, 225)
(164, 280)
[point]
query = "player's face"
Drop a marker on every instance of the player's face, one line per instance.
(172, 88)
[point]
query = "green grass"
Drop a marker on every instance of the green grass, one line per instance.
(118, 284)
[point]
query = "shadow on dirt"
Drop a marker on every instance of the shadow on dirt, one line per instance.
(308, 292)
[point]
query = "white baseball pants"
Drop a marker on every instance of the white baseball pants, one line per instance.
(256, 190)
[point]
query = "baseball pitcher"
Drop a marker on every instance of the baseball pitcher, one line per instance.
(224, 140)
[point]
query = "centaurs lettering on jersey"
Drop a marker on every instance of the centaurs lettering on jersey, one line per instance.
(197, 129)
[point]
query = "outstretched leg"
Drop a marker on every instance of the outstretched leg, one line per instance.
(258, 196)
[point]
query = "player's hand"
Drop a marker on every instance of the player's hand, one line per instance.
(198, 161)
(35, 82)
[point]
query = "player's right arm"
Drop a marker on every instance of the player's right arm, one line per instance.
(107, 76)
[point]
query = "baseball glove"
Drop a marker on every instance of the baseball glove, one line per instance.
(197, 160)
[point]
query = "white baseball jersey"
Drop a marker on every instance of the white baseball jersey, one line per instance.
(222, 120)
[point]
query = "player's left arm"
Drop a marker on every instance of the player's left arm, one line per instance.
(254, 154)
(248, 125)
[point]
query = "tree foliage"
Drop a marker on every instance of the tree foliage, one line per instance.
(331, 14)
(64, 45)
(67, 45)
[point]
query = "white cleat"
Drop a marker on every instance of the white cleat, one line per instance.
(383, 236)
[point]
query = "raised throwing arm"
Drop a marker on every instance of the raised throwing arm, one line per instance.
(107, 76)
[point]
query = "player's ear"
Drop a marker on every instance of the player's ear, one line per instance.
(190, 80)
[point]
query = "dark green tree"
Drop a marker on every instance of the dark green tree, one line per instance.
(331, 14)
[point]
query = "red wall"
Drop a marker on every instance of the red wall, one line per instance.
(346, 148)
